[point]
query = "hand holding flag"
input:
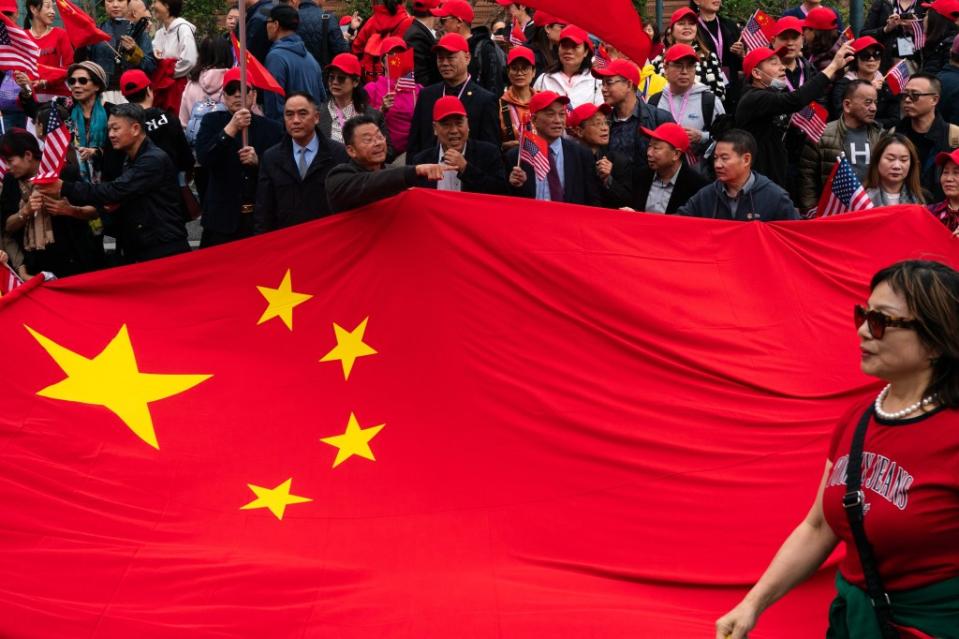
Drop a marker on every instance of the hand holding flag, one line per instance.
(843, 191)
(758, 32)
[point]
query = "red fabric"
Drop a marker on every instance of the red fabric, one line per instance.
(55, 78)
(399, 64)
(80, 27)
(383, 24)
(55, 48)
(910, 477)
(259, 76)
(167, 90)
(617, 23)
(597, 424)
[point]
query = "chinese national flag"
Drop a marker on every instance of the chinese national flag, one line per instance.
(399, 64)
(259, 76)
(617, 23)
(445, 415)
(80, 27)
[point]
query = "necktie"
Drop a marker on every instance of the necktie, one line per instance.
(552, 178)
(303, 166)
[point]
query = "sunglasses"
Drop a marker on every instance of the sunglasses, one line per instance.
(232, 89)
(869, 55)
(912, 96)
(339, 78)
(82, 81)
(877, 322)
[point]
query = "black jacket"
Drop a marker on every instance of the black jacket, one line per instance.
(482, 111)
(765, 113)
(928, 144)
(257, 41)
(764, 201)
(949, 101)
(484, 168)
(230, 184)
(282, 198)
(350, 186)
(688, 183)
(580, 183)
(421, 40)
(321, 33)
(326, 126)
(164, 130)
(487, 61)
(619, 191)
(879, 12)
(150, 214)
(731, 63)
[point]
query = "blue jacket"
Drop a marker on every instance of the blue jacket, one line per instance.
(764, 201)
(296, 70)
(257, 41)
(313, 19)
(104, 56)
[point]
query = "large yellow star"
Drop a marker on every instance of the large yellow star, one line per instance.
(349, 346)
(281, 301)
(355, 441)
(112, 379)
(276, 499)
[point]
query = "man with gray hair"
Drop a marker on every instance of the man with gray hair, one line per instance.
(145, 198)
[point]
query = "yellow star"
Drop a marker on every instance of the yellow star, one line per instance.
(276, 499)
(355, 441)
(281, 301)
(112, 379)
(349, 346)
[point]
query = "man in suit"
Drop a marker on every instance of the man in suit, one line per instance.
(482, 107)
(292, 181)
(666, 183)
(473, 166)
(572, 169)
(232, 167)
(421, 36)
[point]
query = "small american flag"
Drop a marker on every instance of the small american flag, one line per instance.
(601, 59)
(54, 148)
(897, 77)
(848, 35)
(516, 34)
(18, 51)
(811, 120)
(914, 28)
(406, 82)
(9, 280)
(844, 192)
(535, 151)
(757, 32)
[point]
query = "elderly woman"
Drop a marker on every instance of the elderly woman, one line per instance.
(865, 66)
(571, 76)
(947, 211)
(893, 176)
(893, 458)
(589, 124)
(514, 103)
(348, 99)
(684, 29)
(395, 99)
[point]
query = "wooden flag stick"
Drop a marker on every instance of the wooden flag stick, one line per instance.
(241, 20)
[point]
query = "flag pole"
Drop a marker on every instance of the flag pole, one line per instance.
(241, 23)
(522, 134)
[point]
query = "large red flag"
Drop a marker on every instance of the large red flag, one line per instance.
(80, 27)
(441, 416)
(616, 22)
(260, 77)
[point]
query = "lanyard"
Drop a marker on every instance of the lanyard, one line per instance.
(459, 96)
(717, 39)
(339, 114)
(682, 109)
(802, 77)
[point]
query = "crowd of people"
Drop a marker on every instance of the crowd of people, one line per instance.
(165, 129)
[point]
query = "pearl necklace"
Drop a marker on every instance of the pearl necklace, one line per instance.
(899, 414)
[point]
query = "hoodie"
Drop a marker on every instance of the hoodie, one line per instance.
(295, 70)
(692, 115)
(178, 42)
(761, 199)
(208, 86)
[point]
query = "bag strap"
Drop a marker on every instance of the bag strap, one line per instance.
(709, 109)
(324, 36)
(953, 135)
(853, 502)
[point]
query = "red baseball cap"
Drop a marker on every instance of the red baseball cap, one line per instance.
(521, 53)
(575, 34)
(425, 5)
(545, 98)
(678, 52)
(754, 57)
(543, 19)
(345, 20)
(787, 23)
(452, 42)
(390, 43)
(585, 111)
(347, 63)
(681, 13)
(233, 75)
(863, 43)
(455, 8)
(946, 8)
(821, 19)
(446, 106)
(944, 157)
(133, 81)
(671, 133)
(621, 67)
(8, 6)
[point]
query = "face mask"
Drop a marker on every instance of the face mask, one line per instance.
(775, 83)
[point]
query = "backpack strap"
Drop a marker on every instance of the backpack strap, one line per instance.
(653, 100)
(324, 37)
(709, 109)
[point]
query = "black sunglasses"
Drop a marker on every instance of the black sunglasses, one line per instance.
(877, 321)
(869, 55)
(78, 80)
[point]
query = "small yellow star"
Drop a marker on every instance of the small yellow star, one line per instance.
(355, 441)
(281, 301)
(276, 499)
(112, 379)
(349, 346)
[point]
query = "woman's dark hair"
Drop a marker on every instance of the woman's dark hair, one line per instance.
(584, 66)
(28, 16)
(349, 129)
(359, 97)
(937, 28)
(540, 42)
(821, 42)
(174, 7)
(16, 142)
(911, 183)
(213, 52)
(931, 291)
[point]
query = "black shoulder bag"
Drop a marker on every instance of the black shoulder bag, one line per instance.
(853, 502)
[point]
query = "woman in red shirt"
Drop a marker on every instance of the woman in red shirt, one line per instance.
(54, 43)
(909, 490)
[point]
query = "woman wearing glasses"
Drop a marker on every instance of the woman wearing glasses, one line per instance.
(893, 176)
(347, 100)
(865, 66)
(514, 115)
(908, 444)
(684, 29)
(947, 211)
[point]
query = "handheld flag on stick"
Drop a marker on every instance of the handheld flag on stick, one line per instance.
(843, 192)
(897, 77)
(811, 120)
(516, 34)
(758, 32)
(54, 148)
(535, 151)
(259, 76)
(18, 51)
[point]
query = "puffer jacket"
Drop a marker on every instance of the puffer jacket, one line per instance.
(817, 160)
(311, 29)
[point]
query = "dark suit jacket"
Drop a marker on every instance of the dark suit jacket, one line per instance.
(326, 126)
(419, 38)
(350, 186)
(482, 111)
(581, 185)
(282, 198)
(688, 183)
(484, 168)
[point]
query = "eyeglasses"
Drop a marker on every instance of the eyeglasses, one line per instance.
(608, 82)
(877, 321)
(912, 96)
(82, 81)
(232, 89)
(869, 55)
